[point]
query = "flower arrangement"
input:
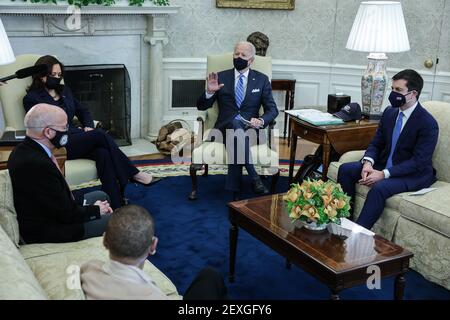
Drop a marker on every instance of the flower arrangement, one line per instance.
(317, 201)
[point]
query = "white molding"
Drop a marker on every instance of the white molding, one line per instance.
(121, 8)
(325, 78)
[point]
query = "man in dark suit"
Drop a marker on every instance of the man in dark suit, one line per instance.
(240, 92)
(46, 209)
(399, 158)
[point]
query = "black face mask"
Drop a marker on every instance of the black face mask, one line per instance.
(239, 63)
(397, 100)
(53, 83)
(60, 139)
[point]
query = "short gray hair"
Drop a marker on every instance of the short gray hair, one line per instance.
(40, 116)
(250, 45)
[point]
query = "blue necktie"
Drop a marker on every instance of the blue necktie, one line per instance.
(239, 92)
(395, 135)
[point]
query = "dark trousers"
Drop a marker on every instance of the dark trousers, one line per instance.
(240, 150)
(95, 228)
(350, 173)
(113, 167)
(208, 285)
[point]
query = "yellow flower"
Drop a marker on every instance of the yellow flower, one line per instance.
(295, 212)
(293, 195)
(338, 203)
(330, 211)
(329, 189)
(308, 195)
(327, 199)
(310, 212)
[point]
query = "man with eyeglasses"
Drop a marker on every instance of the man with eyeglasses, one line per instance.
(46, 208)
(399, 158)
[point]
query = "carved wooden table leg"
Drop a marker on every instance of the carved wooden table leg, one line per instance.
(233, 246)
(399, 286)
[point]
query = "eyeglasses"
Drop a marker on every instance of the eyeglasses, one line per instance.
(66, 127)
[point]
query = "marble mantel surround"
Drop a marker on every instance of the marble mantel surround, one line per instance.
(52, 21)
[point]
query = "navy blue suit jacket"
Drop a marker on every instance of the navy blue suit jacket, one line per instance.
(412, 158)
(71, 106)
(259, 92)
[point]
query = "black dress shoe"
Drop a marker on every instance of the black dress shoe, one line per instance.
(259, 187)
(154, 180)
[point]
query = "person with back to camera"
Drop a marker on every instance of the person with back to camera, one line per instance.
(130, 240)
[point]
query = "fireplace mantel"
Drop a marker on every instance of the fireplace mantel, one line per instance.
(120, 8)
(30, 23)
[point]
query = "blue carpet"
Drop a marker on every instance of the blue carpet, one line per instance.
(194, 234)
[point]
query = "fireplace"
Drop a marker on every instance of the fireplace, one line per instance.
(117, 34)
(106, 91)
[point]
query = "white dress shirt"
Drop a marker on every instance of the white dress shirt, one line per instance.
(49, 153)
(406, 115)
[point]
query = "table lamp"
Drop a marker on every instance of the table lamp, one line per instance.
(379, 28)
(6, 53)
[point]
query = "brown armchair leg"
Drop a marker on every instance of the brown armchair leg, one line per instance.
(193, 172)
(274, 181)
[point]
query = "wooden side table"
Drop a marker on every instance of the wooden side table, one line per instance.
(343, 138)
(288, 86)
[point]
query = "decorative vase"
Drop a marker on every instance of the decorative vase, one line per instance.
(373, 86)
(312, 225)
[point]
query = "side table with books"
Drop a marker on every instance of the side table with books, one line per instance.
(342, 137)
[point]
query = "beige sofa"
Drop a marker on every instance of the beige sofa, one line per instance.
(48, 271)
(420, 224)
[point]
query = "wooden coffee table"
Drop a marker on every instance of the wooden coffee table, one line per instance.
(338, 261)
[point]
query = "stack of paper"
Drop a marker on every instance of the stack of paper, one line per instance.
(315, 117)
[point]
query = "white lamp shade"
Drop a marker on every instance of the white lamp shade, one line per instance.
(6, 52)
(379, 26)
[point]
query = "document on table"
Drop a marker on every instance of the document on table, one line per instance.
(422, 191)
(315, 117)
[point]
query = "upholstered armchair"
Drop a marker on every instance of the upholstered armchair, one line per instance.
(77, 171)
(265, 157)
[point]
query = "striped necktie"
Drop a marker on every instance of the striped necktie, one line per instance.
(239, 92)
(395, 136)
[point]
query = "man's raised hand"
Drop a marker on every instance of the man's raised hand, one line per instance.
(213, 83)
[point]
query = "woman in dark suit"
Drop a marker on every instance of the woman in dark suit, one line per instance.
(113, 166)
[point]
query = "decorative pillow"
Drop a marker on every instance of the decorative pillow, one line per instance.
(8, 216)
